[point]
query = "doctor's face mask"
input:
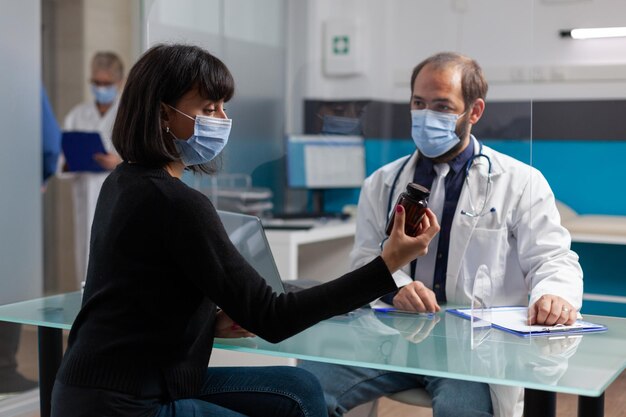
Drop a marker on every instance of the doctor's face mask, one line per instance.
(104, 94)
(433, 132)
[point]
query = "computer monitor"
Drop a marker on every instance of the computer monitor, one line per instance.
(325, 161)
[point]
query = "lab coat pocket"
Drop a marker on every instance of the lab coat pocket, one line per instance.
(487, 247)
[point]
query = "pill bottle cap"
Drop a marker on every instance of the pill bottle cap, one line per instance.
(417, 191)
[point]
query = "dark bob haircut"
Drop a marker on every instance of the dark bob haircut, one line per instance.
(163, 75)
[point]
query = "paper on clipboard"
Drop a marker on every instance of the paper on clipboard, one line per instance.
(514, 320)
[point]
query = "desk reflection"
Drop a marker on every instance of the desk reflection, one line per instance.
(431, 345)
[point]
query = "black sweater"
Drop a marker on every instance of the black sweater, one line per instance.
(160, 262)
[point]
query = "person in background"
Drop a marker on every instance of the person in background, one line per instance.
(493, 210)
(50, 137)
(11, 380)
(98, 115)
(161, 263)
(340, 117)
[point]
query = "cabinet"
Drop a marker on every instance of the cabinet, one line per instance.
(320, 253)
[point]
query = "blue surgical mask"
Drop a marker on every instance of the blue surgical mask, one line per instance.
(338, 125)
(104, 94)
(434, 133)
(210, 136)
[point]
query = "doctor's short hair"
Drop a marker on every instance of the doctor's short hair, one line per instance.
(162, 75)
(108, 61)
(473, 82)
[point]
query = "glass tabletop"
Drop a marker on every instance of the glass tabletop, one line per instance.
(437, 345)
(56, 311)
(440, 346)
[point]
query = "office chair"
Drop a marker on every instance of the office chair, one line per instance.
(415, 396)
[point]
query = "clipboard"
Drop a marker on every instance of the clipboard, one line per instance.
(513, 320)
(79, 149)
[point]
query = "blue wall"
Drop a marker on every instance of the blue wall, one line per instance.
(588, 176)
(581, 173)
(603, 267)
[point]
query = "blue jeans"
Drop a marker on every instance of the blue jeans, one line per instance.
(346, 387)
(281, 391)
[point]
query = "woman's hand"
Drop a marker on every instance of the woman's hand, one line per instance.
(226, 327)
(400, 249)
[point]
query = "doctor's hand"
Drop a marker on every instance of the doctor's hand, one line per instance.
(400, 249)
(107, 161)
(551, 309)
(227, 328)
(416, 297)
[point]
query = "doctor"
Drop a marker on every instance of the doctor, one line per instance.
(493, 210)
(98, 114)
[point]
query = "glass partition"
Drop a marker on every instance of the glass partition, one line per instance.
(314, 73)
(334, 69)
(21, 270)
(325, 69)
(249, 37)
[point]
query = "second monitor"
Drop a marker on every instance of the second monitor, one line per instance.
(325, 161)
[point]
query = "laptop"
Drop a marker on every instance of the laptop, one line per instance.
(248, 236)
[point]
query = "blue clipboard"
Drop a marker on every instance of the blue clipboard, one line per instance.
(79, 149)
(503, 318)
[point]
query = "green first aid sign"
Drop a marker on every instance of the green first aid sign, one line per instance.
(341, 45)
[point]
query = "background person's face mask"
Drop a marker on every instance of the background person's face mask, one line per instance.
(210, 136)
(104, 94)
(339, 125)
(434, 132)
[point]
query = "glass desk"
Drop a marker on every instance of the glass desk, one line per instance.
(438, 345)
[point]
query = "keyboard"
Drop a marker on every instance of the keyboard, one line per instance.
(291, 287)
(300, 221)
(280, 224)
(317, 215)
(296, 285)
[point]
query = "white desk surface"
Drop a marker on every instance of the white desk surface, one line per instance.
(335, 229)
(597, 238)
(320, 253)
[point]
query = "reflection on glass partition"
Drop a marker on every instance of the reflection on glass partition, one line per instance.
(325, 161)
(249, 37)
(299, 70)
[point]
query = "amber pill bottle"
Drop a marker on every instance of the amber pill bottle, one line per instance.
(415, 201)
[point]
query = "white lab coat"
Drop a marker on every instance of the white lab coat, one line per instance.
(522, 243)
(85, 187)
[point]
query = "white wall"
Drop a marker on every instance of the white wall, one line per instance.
(20, 159)
(75, 31)
(516, 42)
(111, 25)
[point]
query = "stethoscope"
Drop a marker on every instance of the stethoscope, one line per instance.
(468, 165)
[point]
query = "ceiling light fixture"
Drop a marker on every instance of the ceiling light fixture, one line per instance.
(594, 33)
